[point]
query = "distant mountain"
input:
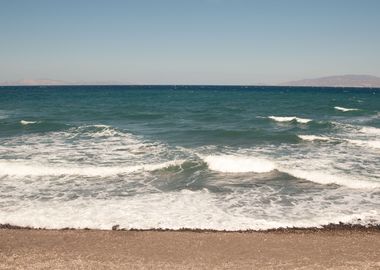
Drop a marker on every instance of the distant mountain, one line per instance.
(339, 81)
(44, 82)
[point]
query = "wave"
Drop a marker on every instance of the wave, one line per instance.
(245, 164)
(24, 122)
(23, 169)
(290, 119)
(327, 178)
(345, 109)
(236, 164)
(313, 138)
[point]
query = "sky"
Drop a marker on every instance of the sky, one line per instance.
(188, 41)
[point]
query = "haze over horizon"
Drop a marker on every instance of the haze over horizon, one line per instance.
(188, 42)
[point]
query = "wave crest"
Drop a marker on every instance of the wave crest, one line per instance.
(290, 119)
(237, 164)
(24, 122)
(313, 138)
(345, 109)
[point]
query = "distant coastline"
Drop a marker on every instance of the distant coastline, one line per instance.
(343, 81)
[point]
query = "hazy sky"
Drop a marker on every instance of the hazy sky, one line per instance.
(188, 41)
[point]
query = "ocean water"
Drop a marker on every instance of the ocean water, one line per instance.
(207, 157)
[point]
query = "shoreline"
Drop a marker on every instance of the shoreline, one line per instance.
(118, 249)
(325, 228)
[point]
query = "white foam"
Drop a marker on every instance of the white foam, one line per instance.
(25, 169)
(345, 109)
(289, 119)
(24, 122)
(238, 164)
(194, 210)
(313, 138)
(97, 131)
(365, 143)
(370, 130)
(328, 178)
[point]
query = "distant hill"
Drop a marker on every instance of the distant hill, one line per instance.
(339, 81)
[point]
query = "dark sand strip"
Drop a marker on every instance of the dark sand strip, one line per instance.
(92, 249)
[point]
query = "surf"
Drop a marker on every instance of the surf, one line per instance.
(12, 168)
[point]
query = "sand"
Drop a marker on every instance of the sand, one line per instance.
(92, 249)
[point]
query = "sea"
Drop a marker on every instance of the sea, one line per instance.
(189, 157)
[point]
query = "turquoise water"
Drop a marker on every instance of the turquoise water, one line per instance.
(225, 158)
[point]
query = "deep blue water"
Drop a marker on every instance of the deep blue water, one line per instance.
(217, 157)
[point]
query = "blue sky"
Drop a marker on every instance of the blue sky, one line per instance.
(188, 42)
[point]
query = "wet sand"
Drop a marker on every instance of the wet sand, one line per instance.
(92, 249)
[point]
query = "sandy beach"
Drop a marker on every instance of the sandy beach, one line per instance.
(92, 249)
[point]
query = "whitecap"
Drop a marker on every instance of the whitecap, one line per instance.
(313, 138)
(24, 122)
(345, 109)
(289, 119)
(238, 164)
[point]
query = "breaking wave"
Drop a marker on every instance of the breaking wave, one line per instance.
(313, 138)
(290, 119)
(246, 164)
(24, 122)
(345, 109)
(237, 164)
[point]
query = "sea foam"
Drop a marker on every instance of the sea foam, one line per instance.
(25, 169)
(366, 143)
(370, 130)
(327, 178)
(289, 119)
(194, 210)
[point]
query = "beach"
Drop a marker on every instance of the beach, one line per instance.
(339, 248)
